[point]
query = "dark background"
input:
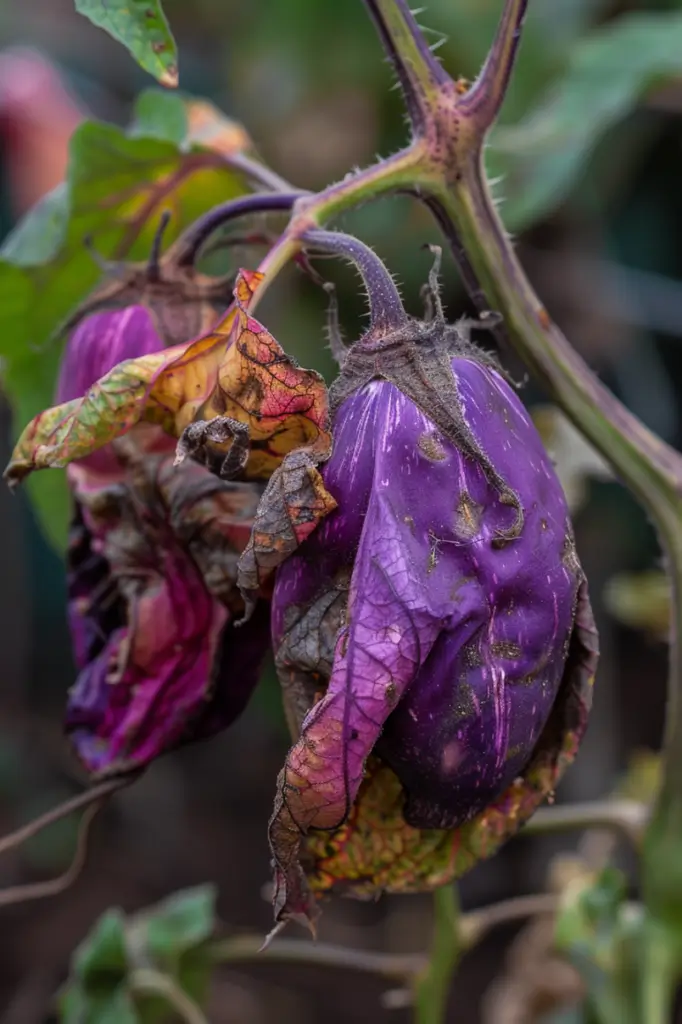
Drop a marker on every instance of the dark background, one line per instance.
(308, 79)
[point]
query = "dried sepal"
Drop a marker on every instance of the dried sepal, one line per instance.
(294, 503)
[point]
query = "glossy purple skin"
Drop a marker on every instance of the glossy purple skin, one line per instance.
(454, 647)
(100, 342)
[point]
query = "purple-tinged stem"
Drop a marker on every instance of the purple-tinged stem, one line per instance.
(418, 70)
(385, 304)
(483, 100)
(186, 248)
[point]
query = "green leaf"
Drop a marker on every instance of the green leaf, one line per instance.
(103, 951)
(181, 922)
(159, 115)
(609, 72)
(77, 1006)
(601, 935)
(142, 27)
(119, 182)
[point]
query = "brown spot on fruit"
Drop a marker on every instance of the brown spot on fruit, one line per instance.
(505, 649)
(468, 517)
(432, 447)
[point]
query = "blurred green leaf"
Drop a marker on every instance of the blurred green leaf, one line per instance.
(142, 27)
(158, 115)
(168, 942)
(181, 922)
(103, 952)
(600, 933)
(77, 1006)
(119, 182)
(641, 600)
(609, 73)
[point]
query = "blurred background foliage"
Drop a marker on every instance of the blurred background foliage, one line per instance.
(588, 157)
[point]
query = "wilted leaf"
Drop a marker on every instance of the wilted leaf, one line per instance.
(143, 29)
(119, 183)
(237, 371)
(609, 73)
(293, 504)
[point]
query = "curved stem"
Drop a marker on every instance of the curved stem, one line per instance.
(626, 816)
(52, 887)
(89, 796)
(476, 925)
(146, 981)
(244, 948)
(433, 986)
(259, 174)
(386, 308)
(185, 249)
(396, 173)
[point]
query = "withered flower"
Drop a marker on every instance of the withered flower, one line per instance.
(433, 636)
(152, 578)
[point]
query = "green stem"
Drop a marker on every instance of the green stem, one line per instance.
(625, 816)
(389, 176)
(452, 181)
(660, 971)
(418, 71)
(146, 981)
(433, 986)
(246, 948)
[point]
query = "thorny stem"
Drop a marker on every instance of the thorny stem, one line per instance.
(433, 986)
(392, 175)
(444, 167)
(418, 71)
(485, 97)
(386, 308)
(453, 182)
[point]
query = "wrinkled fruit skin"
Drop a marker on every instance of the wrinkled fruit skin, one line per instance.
(152, 569)
(426, 621)
(152, 579)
